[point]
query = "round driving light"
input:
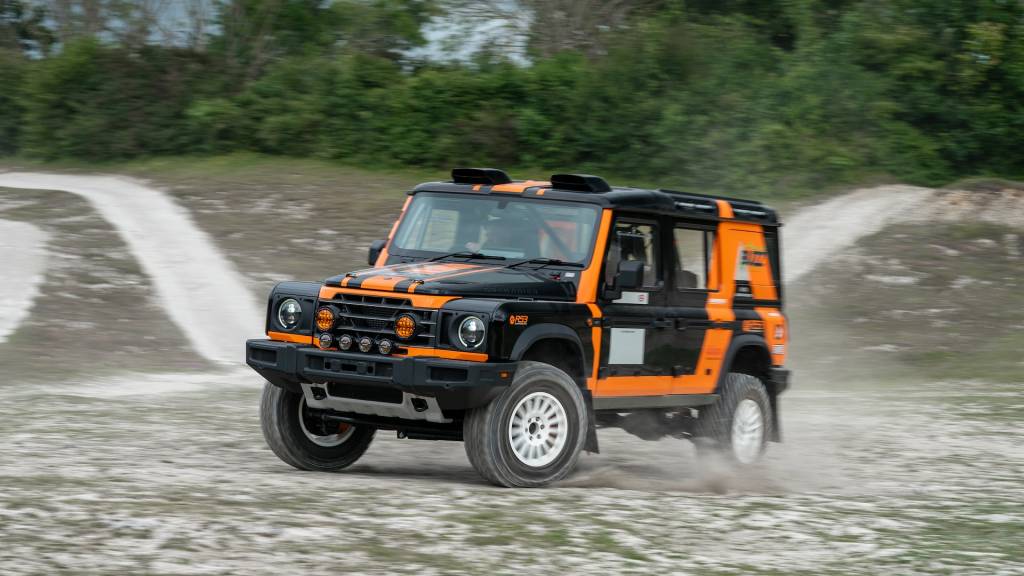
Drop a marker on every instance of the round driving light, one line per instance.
(365, 343)
(405, 326)
(385, 346)
(471, 332)
(289, 314)
(324, 340)
(324, 319)
(345, 341)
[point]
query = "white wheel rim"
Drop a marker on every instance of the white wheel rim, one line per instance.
(747, 431)
(538, 429)
(329, 441)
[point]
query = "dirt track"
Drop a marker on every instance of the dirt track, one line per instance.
(167, 473)
(24, 248)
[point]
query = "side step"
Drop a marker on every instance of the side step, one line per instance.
(666, 401)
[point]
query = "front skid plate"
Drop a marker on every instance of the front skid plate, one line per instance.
(405, 411)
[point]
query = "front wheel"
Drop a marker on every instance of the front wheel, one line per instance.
(739, 424)
(531, 434)
(300, 439)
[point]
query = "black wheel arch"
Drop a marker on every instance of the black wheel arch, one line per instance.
(539, 333)
(561, 335)
(749, 354)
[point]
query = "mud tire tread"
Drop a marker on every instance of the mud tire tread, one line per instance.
(483, 430)
(279, 421)
(713, 430)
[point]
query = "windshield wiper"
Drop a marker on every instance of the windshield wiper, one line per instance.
(465, 254)
(546, 262)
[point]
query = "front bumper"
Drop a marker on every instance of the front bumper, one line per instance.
(779, 378)
(373, 380)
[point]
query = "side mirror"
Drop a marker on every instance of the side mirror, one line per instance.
(630, 275)
(375, 249)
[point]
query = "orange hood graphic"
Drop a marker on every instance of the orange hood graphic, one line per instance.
(388, 278)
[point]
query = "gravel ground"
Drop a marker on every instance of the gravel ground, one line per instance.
(905, 478)
(159, 467)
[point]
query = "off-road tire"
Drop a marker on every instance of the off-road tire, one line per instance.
(279, 418)
(714, 428)
(486, 429)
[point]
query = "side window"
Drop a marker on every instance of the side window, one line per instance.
(693, 257)
(635, 241)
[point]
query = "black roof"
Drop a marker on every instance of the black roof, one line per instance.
(660, 201)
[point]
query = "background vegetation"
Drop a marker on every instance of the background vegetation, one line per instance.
(761, 98)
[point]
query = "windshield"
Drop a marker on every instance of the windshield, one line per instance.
(512, 228)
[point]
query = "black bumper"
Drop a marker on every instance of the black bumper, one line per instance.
(779, 378)
(456, 384)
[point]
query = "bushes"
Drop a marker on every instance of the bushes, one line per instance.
(718, 100)
(96, 102)
(12, 73)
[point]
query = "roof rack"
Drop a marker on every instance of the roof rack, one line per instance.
(579, 183)
(489, 176)
(712, 196)
(696, 206)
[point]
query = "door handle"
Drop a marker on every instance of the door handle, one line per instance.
(663, 323)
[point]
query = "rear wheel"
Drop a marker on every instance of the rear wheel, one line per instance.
(739, 424)
(304, 441)
(532, 434)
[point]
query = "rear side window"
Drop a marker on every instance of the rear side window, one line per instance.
(693, 257)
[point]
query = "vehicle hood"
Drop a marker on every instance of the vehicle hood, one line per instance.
(463, 279)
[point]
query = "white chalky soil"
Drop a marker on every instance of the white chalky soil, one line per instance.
(165, 473)
(23, 261)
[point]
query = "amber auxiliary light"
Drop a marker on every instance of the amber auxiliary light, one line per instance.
(405, 326)
(324, 319)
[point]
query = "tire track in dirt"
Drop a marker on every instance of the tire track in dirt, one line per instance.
(23, 253)
(203, 293)
(813, 234)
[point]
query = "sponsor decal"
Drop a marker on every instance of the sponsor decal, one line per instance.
(518, 320)
(753, 257)
(753, 326)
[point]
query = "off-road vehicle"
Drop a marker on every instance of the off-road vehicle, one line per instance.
(521, 316)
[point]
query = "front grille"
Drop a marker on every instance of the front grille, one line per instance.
(374, 316)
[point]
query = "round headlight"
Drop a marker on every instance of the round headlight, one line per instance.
(325, 340)
(365, 343)
(324, 319)
(405, 326)
(471, 332)
(345, 342)
(289, 314)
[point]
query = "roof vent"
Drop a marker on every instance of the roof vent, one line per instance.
(580, 183)
(480, 176)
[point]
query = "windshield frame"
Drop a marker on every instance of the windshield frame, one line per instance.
(583, 262)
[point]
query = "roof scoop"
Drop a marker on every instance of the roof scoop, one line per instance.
(579, 183)
(489, 176)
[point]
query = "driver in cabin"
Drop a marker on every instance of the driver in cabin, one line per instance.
(500, 235)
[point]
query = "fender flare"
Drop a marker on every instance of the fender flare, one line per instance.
(737, 344)
(549, 331)
(746, 341)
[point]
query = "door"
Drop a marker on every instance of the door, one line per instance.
(687, 294)
(634, 358)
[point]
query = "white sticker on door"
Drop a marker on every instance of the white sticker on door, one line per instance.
(632, 298)
(627, 346)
